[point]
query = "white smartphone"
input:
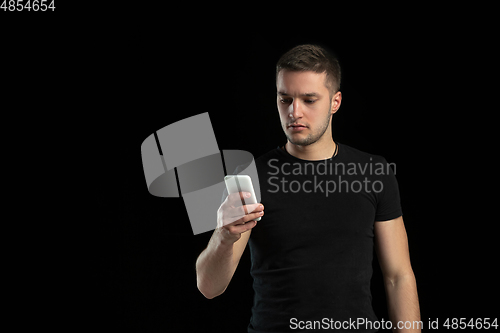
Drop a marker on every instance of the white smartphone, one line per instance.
(241, 183)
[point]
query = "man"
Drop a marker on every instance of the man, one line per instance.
(327, 206)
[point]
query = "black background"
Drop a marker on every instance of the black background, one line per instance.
(414, 91)
(405, 97)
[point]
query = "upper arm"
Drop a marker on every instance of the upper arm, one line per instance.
(391, 245)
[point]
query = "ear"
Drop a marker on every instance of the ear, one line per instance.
(335, 102)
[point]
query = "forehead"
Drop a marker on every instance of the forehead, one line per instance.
(296, 83)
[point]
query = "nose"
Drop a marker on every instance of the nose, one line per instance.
(295, 109)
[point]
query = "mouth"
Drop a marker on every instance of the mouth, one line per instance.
(296, 127)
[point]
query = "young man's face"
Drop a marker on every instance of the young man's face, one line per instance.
(305, 106)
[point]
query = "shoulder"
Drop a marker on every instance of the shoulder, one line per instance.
(357, 156)
(264, 158)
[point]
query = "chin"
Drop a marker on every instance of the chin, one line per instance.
(302, 142)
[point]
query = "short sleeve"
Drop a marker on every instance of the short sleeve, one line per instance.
(388, 200)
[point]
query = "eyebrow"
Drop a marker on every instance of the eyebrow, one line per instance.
(311, 94)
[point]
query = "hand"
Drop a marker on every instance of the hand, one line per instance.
(233, 218)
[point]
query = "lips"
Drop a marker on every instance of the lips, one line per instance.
(296, 126)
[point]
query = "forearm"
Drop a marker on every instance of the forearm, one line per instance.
(402, 302)
(215, 267)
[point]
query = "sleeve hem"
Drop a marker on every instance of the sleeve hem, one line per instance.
(388, 217)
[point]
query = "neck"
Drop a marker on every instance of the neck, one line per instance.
(320, 150)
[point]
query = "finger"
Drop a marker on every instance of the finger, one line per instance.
(232, 215)
(241, 228)
(236, 213)
(252, 208)
(238, 198)
(234, 221)
(251, 216)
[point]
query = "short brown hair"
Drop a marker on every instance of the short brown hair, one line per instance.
(314, 58)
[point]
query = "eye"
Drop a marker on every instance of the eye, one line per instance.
(285, 100)
(310, 101)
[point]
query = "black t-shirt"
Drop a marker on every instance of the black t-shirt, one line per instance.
(312, 251)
